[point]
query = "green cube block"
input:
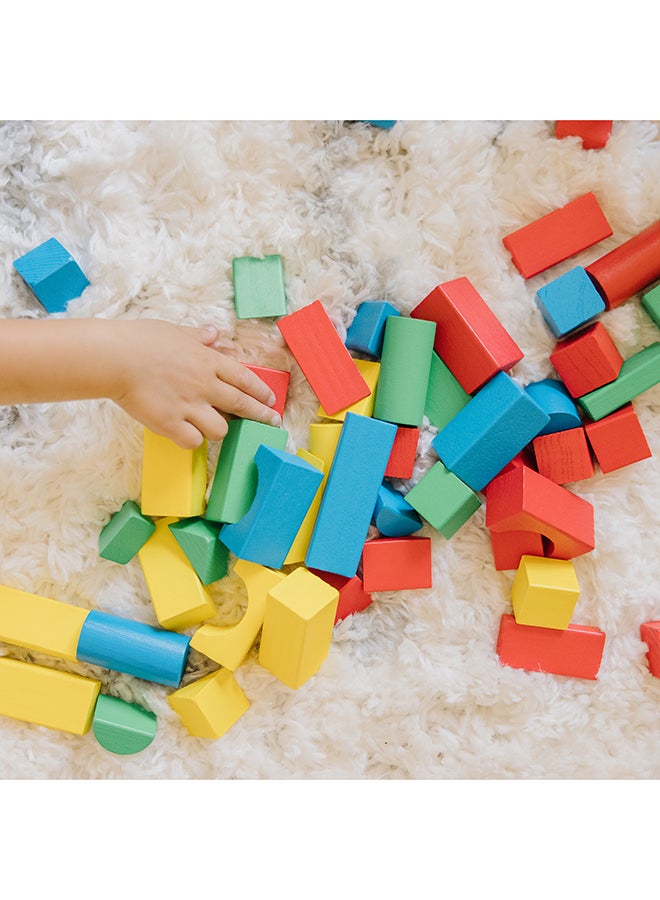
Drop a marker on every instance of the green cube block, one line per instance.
(443, 500)
(651, 304)
(125, 534)
(258, 287)
(445, 396)
(198, 539)
(638, 373)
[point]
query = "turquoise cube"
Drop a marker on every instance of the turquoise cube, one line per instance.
(569, 301)
(52, 274)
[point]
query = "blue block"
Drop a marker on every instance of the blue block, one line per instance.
(124, 645)
(554, 399)
(52, 274)
(569, 301)
(393, 515)
(489, 431)
(381, 123)
(366, 331)
(350, 495)
(286, 487)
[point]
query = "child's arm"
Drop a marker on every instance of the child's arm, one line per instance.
(166, 376)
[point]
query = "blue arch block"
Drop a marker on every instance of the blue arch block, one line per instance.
(393, 515)
(52, 274)
(569, 301)
(554, 399)
(366, 331)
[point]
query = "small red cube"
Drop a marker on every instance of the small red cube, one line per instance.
(618, 440)
(564, 456)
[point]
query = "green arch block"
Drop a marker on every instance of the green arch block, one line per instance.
(122, 727)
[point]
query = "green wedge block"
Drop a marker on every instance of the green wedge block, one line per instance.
(122, 727)
(199, 541)
(651, 304)
(125, 533)
(445, 396)
(258, 287)
(405, 366)
(443, 500)
(638, 373)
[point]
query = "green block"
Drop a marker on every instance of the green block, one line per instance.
(405, 365)
(235, 481)
(443, 500)
(199, 541)
(125, 533)
(258, 287)
(122, 727)
(651, 304)
(638, 373)
(445, 397)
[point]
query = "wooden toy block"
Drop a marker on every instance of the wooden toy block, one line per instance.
(258, 287)
(381, 123)
(618, 440)
(523, 500)
(524, 458)
(198, 538)
(326, 363)
(569, 302)
(443, 500)
(350, 494)
(649, 632)
(639, 373)
(228, 645)
(544, 592)
(553, 398)
(575, 652)
(323, 440)
(352, 596)
(397, 564)
(405, 366)
(134, 648)
(445, 397)
(173, 479)
(510, 546)
(235, 480)
(370, 371)
(564, 456)
(557, 236)
(179, 598)
(297, 630)
(593, 133)
(286, 489)
(277, 380)
(45, 696)
(401, 463)
(121, 727)
(486, 434)
(393, 515)
(587, 360)
(210, 706)
(52, 274)
(629, 268)
(298, 548)
(38, 623)
(469, 337)
(366, 331)
(651, 304)
(125, 533)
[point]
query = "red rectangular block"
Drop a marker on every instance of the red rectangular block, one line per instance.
(576, 652)
(352, 595)
(557, 235)
(650, 634)
(587, 361)
(277, 380)
(510, 546)
(326, 363)
(618, 440)
(397, 564)
(593, 133)
(563, 456)
(404, 452)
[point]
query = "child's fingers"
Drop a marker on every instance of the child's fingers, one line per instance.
(229, 399)
(185, 434)
(244, 380)
(210, 423)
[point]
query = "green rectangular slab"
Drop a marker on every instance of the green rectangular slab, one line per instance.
(639, 372)
(259, 287)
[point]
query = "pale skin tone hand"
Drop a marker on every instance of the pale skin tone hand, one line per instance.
(168, 377)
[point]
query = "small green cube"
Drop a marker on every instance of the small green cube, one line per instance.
(443, 500)
(651, 304)
(198, 538)
(259, 287)
(125, 534)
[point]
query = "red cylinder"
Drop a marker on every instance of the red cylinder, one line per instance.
(628, 268)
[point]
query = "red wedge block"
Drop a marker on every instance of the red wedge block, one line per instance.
(277, 380)
(576, 652)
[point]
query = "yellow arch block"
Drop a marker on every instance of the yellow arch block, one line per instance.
(544, 592)
(37, 623)
(173, 479)
(370, 371)
(210, 706)
(298, 549)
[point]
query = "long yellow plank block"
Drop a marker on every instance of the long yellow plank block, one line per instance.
(46, 696)
(173, 479)
(298, 549)
(37, 623)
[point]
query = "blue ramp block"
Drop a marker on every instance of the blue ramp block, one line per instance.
(367, 330)
(569, 301)
(489, 431)
(554, 399)
(350, 495)
(393, 515)
(52, 274)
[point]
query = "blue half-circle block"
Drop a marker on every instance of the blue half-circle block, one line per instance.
(366, 331)
(393, 515)
(553, 398)
(569, 301)
(134, 648)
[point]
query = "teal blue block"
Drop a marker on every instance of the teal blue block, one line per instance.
(125, 534)
(569, 301)
(381, 123)
(553, 398)
(393, 515)
(198, 538)
(366, 331)
(52, 274)
(350, 495)
(489, 431)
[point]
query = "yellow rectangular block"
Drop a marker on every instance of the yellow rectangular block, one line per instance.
(370, 371)
(38, 623)
(210, 706)
(298, 549)
(46, 696)
(180, 599)
(173, 479)
(323, 440)
(297, 629)
(544, 592)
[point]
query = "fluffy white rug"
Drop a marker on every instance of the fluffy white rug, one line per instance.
(412, 688)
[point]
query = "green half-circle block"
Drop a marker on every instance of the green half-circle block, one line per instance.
(122, 727)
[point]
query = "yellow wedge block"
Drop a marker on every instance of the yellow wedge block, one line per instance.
(323, 440)
(180, 599)
(173, 479)
(298, 549)
(544, 592)
(37, 623)
(297, 629)
(230, 644)
(210, 706)
(365, 407)
(46, 696)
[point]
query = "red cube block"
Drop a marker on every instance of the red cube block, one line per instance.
(404, 451)
(397, 564)
(587, 361)
(352, 595)
(563, 456)
(650, 634)
(593, 133)
(618, 440)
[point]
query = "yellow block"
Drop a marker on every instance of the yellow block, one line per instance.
(297, 629)
(230, 644)
(180, 599)
(544, 592)
(211, 705)
(46, 696)
(37, 623)
(364, 407)
(173, 479)
(323, 440)
(298, 549)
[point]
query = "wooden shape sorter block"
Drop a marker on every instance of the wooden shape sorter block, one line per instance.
(569, 301)
(121, 727)
(649, 632)
(173, 479)
(38, 623)
(593, 133)
(575, 652)
(510, 546)
(366, 331)
(445, 397)
(370, 371)
(210, 706)
(405, 366)
(258, 287)
(277, 380)
(618, 440)
(556, 236)
(629, 268)
(401, 463)
(323, 440)
(128, 529)
(639, 372)
(352, 596)
(587, 360)
(297, 629)
(544, 592)
(198, 538)
(397, 564)
(443, 500)
(52, 274)
(45, 696)
(564, 456)
(326, 363)
(469, 337)
(301, 541)
(553, 398)
(651, 304)
(393, 515)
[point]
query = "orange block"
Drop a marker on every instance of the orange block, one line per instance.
(352, 595)
(628, 268)
(587, 361)
(593, 133)
(397, 564)
(563, 456)
(576, 651)
(650, 634)
(510, 546)
(277, 380)
(404, 451)
(618, 440)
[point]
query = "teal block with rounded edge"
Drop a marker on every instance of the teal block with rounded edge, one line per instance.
(553, 398)
(366, 331)
(198, 538)
(125, 533)
(443, 500)
(259, 287)
(393, 515)
(52, 274)
(121, 727)
(569, 301)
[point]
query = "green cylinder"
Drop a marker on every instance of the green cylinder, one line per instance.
(405, 366)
